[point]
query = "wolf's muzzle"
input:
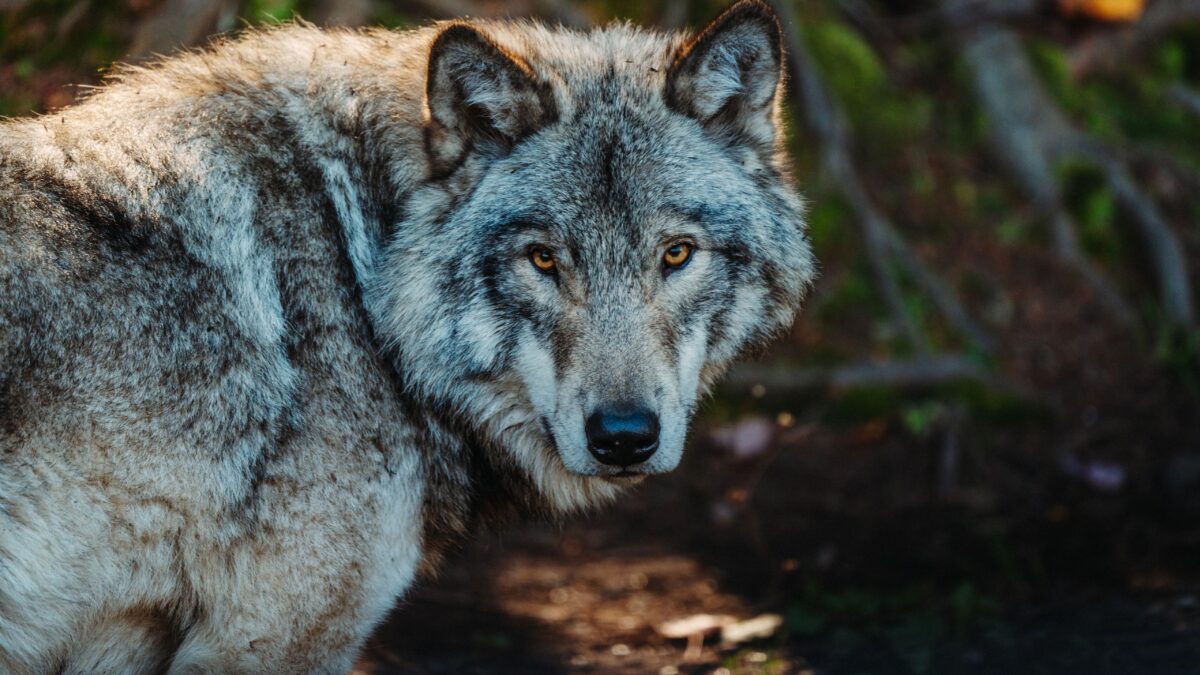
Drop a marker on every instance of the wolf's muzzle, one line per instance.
(622, 434)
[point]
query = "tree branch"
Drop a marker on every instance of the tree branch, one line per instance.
(882, 242)
(918, 372)
(1030, 133)
(1186, 97)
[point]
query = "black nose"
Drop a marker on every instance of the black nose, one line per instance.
(622, 434)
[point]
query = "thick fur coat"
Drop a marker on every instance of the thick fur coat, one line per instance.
(280, 319)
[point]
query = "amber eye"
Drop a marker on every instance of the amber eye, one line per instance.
(677, 255)
(542, 259)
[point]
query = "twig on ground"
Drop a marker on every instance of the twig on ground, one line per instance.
(1164, 246)
(1156, 158)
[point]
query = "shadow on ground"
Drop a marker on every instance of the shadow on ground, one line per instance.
(844, 538)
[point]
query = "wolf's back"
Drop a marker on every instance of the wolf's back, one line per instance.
(178, 330)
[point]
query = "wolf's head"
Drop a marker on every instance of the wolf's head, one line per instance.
(609, 223)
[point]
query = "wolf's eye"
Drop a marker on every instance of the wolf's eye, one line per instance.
(677, 255)
(542, 259)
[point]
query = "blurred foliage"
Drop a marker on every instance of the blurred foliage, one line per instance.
(267, 11)
(1129, 104)
(912, 622)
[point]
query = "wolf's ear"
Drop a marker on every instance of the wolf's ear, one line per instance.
(728, 76)
(480, 97)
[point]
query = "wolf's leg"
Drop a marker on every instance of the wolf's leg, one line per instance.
(298, 608)
(135, 641)
(277, 642)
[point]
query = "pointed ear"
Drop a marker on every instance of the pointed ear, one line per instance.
(728, 76)
(479, 97)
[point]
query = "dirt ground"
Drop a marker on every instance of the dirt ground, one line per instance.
(915, 588)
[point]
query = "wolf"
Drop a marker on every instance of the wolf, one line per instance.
(283, 319)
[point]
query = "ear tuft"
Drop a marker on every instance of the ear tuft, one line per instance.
(479, 97)
(729, 74)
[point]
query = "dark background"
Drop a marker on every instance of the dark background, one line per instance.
(978, 450)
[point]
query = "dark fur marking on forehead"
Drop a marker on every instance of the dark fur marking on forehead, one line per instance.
(534, 220)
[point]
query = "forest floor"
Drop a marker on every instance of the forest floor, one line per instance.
(864, 583)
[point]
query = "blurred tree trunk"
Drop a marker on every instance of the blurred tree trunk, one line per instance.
(178, 23)
(1186, 97)
(1031, 134)
(885, 247)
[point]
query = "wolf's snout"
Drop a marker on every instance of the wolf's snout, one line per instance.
(622, 434)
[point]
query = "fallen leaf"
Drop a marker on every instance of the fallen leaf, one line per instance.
(758, 628)
(698, 624)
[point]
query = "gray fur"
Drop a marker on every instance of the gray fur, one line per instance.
(270, 340)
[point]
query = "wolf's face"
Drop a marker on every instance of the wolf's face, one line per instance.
(609, 228)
